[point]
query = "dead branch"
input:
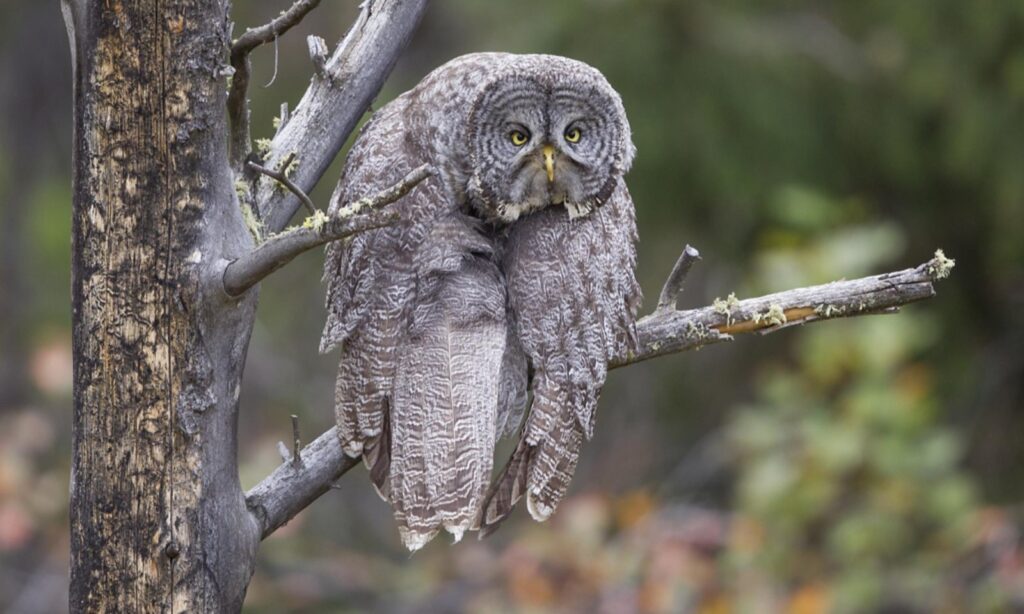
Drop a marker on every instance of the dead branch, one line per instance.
(282, 495)
(672, 331)
(674, 284)
(278, 250)
(287, 491)
(337, 97)
(238, 105)
(282, 177)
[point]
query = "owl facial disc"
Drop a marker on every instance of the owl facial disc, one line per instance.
(549, 131)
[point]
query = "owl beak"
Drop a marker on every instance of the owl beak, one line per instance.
(549, 162)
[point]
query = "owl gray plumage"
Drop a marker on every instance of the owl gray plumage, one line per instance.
(517, 257)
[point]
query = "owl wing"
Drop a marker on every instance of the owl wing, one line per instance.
(573, 297)
(370, 280)
(447, 385)
(418, 310)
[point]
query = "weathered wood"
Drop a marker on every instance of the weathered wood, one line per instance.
(280, 249)
(158, 521)
(337, 97)
(670, 332)
(289, 489)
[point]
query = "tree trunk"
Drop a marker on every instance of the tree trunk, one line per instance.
(158, 518)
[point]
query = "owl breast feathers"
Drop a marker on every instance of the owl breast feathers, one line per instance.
(511, 271)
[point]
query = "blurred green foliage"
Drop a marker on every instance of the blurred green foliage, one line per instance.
(845, 466)
(846, 481)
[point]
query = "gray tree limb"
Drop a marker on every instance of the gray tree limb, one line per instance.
(278, 250)
(336, 99)
(289, 489)
(282, 177)
(673, 331)
(286, 492)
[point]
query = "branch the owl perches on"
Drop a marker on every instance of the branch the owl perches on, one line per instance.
(287, 491)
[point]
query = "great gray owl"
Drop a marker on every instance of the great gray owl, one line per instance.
(514, 263)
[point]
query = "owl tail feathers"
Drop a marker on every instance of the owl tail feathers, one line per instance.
(507, 490)
(552, 469)
(541, 466)
(373, 445)
(414, 539)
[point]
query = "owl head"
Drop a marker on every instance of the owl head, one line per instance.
(545, 131)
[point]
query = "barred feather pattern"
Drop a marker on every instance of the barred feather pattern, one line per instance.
(425, 383)
(446, 388)
(573, 297)
(440, 317)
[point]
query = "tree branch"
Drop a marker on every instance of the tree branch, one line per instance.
(278, 250)
(282, 177)
(674, 284)
(337, 97)
(288, 490)
(672, 331)
(285, 493)
(238, 106)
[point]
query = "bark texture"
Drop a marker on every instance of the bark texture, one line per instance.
(158, 520)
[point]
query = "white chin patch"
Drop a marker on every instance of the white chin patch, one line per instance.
(510, 212)
(577, 210)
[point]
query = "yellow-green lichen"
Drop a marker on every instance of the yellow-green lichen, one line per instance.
(242, 189)
(254, 224)
(829, 311)
(940, 266)
(774, 316)
(697, 330)
(725, 306)
(263, 148)
(292, 165)
(316, 221)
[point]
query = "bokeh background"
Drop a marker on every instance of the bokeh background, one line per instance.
(854, 466)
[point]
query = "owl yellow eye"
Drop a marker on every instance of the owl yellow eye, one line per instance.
(519, 138)
(573, 135)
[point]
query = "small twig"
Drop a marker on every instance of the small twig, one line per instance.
(282, 450)
(273, 77)
(282, 118)
(282, 177)
(278, 250)
(317, 53)
(237, 104)
(296, 444)
(674, 284)
(254, 37)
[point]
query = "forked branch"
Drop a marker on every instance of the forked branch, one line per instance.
(281, 248)
(281, 176)
(341, 91)
(285, 493)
